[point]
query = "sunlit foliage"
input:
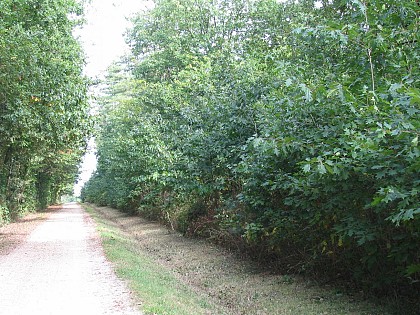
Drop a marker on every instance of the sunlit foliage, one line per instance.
(289, 126)
(43, 108)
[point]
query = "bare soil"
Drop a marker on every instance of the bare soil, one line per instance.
(53, 263)
(237, 285)
(15, 233)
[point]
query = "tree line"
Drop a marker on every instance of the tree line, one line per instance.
(44, 114)
(289, 128)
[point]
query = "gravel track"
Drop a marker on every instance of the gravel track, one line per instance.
(61, 269)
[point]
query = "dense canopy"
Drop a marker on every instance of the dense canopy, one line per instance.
(291, 127)
(44, 119)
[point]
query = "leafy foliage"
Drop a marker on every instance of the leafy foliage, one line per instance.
(291, 126)
(43, 109)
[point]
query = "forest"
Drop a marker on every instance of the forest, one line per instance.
(288, 129)
(44, 112)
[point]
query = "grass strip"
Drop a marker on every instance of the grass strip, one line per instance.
(159, 291)
(221, 285)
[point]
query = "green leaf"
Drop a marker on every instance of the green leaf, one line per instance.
(361, 5)
(413, 269)
(329, 169)
(414, 93)
(307, 91)
(321, 168)
(415, 141)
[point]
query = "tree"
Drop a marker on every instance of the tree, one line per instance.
(290, 126)
(43, 104)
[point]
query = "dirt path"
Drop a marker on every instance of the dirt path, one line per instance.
(61, 269)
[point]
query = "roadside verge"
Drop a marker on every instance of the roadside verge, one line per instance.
(174, 275)
(13, 234)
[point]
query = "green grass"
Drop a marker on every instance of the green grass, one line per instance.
(164, 290)
(157, 289)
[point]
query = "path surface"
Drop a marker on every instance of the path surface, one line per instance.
(61, 269)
